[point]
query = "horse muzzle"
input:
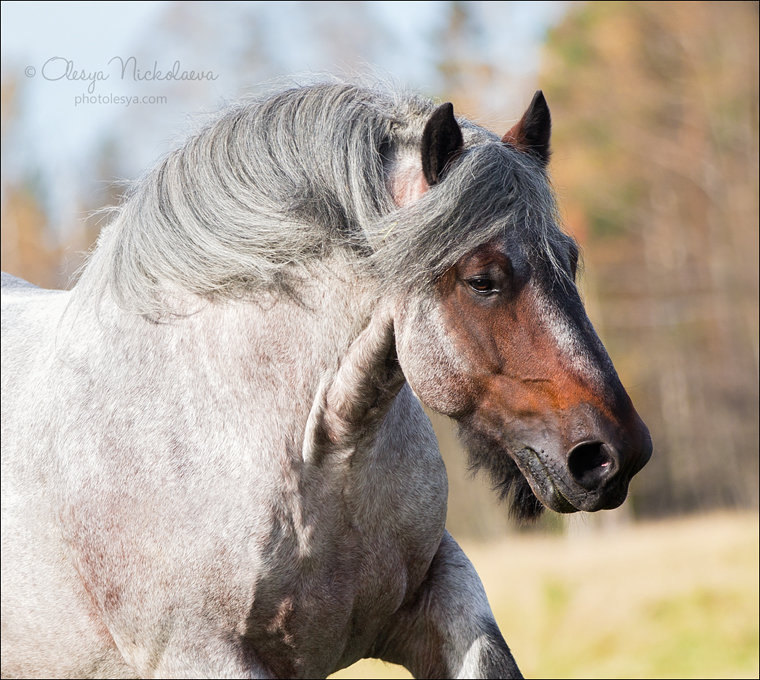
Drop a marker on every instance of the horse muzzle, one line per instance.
(590, 474)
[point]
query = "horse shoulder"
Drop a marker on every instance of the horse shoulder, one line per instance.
(41, 586)
(365, 413)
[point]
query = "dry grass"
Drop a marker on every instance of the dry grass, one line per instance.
(673, 599)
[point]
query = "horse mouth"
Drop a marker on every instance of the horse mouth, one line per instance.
(542, 482)
(529, 480)
(519, 475)
(550, 490)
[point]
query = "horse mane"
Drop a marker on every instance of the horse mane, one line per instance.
(275, 184)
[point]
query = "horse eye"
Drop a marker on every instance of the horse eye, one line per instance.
(483, 285)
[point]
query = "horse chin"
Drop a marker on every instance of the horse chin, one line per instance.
(508, 481)
(523, 481)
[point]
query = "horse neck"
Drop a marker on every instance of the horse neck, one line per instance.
(290, 354)
(298, 338)
(310, 332)
(266, 357)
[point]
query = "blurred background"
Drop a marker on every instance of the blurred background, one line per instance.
(655, 111)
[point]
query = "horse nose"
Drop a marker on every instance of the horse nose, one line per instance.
(592, 463)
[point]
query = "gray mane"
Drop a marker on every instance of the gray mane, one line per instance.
(275, 185)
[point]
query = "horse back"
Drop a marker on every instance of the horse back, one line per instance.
(29, 318)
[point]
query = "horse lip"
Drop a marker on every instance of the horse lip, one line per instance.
(547, 488)
(543, 483)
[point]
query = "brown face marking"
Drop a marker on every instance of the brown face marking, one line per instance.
(515, 362)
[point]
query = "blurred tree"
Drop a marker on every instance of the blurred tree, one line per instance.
(656, 131)
(466, 76)
(29, 250)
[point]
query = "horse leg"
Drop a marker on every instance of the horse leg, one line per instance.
(447, 630)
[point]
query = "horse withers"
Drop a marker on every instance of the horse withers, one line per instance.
(214, 458)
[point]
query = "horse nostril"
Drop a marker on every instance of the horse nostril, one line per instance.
(591, 463)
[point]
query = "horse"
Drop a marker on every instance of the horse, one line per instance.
(215, 459)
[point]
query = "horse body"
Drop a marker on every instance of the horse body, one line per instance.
(246, 516)
(237, 480)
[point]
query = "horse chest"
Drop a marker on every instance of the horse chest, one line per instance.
(359, 555)
(305, 619)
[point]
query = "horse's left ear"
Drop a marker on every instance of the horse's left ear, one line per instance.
(441, 142)
(531, 133)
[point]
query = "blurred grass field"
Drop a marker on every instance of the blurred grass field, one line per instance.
(671, 599)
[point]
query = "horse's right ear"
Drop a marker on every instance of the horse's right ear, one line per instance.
(441, 142)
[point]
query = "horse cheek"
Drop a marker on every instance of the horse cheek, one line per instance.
(431, 365)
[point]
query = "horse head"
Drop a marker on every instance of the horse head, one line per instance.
(500, 341)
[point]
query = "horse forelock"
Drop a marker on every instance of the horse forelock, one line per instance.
(491, 193)
(276, 184)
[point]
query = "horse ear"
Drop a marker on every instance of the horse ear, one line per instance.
(441, 142)
(531, 133)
